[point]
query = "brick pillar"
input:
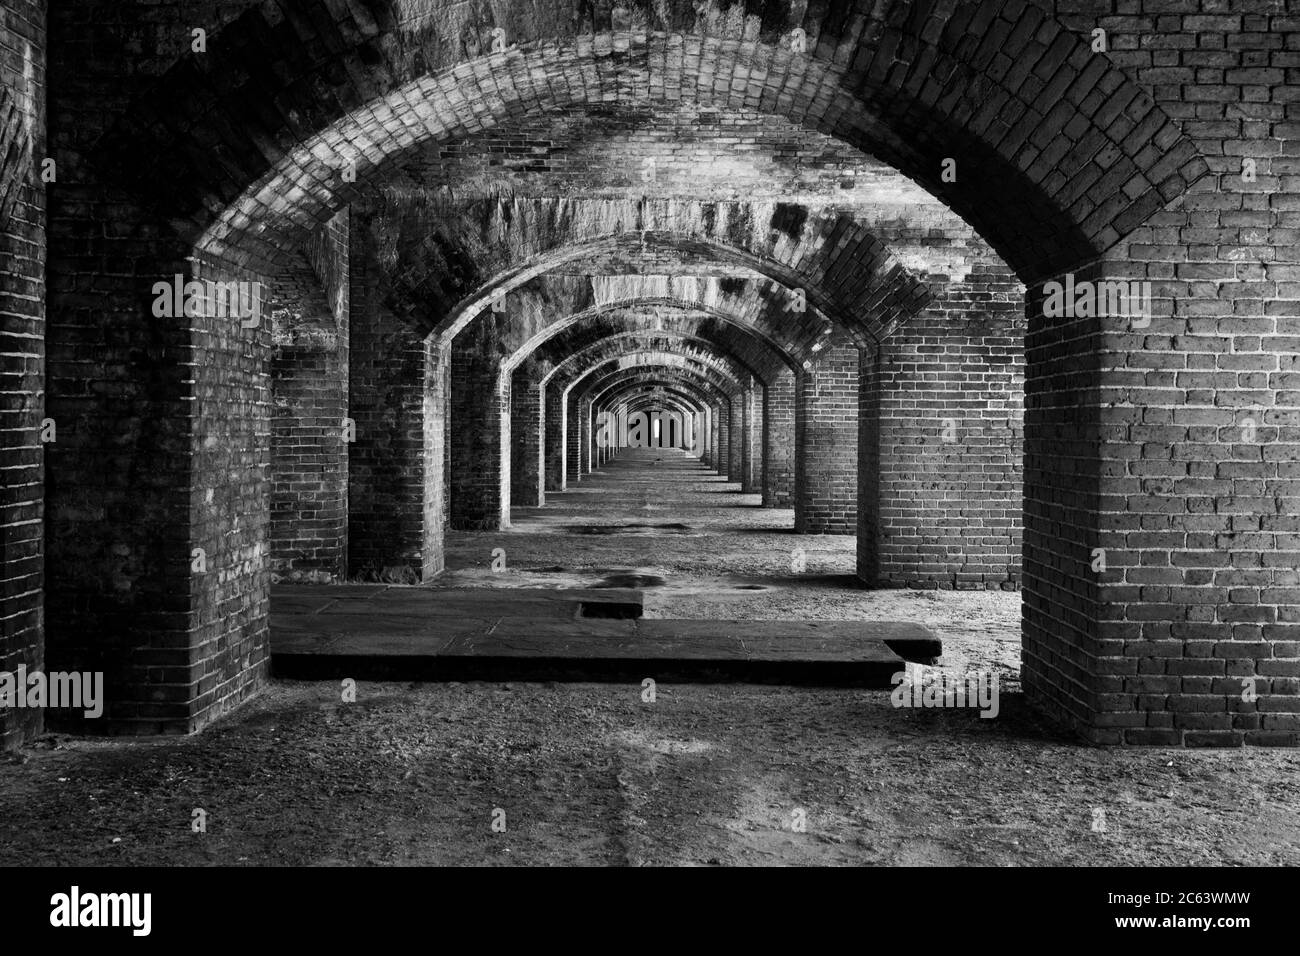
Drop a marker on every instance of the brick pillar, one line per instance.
(395, 465)
(1187, 634)
(309, 385)
(869, 503)
(600, 435)
(585, 441)
(751, 478)
(22, 354)
(778, 442)
(572, 440)
(553, 451)
(722, 439)
(715, 437)
(826, 444)
(480, 425)
(736, 437)
(703, 442)
(527, 421)
(950, 396)
(159, 500)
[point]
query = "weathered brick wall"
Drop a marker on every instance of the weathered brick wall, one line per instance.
(751, 457)
(162, 450)
(1195, 639)
(736, 454)
(726, 438)
(527, 425)
(826, 444)
(722, 429)
(778, 442)
(585, 438)
(230, 521)
(705, 447)
(390, 477)
(22, 349)
(480, 421)
(572, 440)
(553, 453)
(948, 446)
(309, 439)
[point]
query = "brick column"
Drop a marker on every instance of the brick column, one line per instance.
(397, 401)
(527, 422)
(22, 354)
(480, 425)
(585, 437)
(309, 385)
(703, 442)
(950, 403)
(718, 421)
(553, 450)
(736, 438)
(778, 442)
(572, 441)
(826, 444)
(722, 440)
(751, 478)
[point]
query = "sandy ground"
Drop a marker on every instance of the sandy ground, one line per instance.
(703, 775)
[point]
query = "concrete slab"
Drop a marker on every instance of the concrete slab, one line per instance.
(515, 634)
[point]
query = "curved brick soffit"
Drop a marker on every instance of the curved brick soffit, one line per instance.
(229, 142)
(662, 340)
(846, 273)
(639, 394)
(728, 335)
(648, 396)
(653, 399)
(594, 379)
(592, 384)
(752, 304)
(656, 355)
(618, 385)
(705, 391)
(567, 358)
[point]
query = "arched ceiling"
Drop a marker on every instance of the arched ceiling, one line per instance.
(545, 161)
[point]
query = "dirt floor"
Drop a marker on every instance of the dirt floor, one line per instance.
(703, 775)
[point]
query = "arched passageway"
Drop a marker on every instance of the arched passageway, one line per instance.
(844, 278)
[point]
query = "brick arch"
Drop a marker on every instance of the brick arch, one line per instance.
(692, 388)
(708, 395)
(642, 391)
(641, 366)
(630, 362)
(727, 340)
(642, 398)
(645, 395)
(1021, 99)
(845, 273)
(616, 346)
(766, 351)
